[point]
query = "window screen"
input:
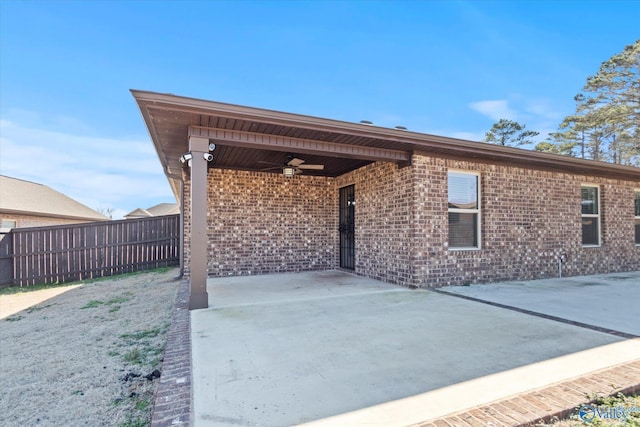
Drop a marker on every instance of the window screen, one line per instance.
(464, 210)
(590, 216)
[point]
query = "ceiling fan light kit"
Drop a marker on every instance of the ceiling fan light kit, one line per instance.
(293, 166)
(288, 171)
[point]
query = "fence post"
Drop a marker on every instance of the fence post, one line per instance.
(6, 260)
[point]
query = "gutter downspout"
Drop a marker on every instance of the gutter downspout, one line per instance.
(181, 248)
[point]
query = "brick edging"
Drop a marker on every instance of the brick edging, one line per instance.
(549, 403)
(174, 395)
(560, 415)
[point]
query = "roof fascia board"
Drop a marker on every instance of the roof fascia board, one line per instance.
(174, 178)
(559, 167)
(415, 141)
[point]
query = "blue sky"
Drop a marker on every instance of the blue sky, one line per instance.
(451, 68)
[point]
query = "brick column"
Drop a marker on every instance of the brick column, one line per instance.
(198, 239)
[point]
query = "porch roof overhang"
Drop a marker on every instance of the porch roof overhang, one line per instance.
(259, 140)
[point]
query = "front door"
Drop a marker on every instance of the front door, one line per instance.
(347, 227)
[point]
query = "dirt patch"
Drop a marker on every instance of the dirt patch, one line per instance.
(12, 304)
(90, 356)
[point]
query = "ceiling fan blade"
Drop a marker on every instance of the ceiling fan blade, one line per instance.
(312, 167)
(269, 163)
(295, 162)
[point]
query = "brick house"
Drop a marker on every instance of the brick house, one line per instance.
(29, 204)
(283, 192)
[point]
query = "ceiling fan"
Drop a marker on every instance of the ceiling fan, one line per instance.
(294, 166)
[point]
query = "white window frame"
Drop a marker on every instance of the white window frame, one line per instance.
(477, 211)
(635, 217)
(598, 215)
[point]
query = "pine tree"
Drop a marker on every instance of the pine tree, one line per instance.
(509, 133)
(606, 125)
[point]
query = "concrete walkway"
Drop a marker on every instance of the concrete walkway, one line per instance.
(330, 348)
(606, 301)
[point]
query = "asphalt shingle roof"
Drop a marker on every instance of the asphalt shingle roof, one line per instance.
(157, 210)
(29, 198)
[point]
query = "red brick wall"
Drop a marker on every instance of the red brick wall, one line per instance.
(528, 218)
(384, 213)
(266, 223)
(263, 223)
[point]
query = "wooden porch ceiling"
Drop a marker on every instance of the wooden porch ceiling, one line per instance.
(260, 140)
(249, 143)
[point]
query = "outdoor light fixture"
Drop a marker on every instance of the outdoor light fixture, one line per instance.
(186, 157)
(288, 171)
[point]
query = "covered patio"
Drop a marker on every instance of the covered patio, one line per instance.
(267, 192)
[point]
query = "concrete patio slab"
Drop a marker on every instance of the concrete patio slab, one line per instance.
(287, 349)
(605, 300)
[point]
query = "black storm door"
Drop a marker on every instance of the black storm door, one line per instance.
(347, 227)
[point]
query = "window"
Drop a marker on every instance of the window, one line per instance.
(590, 216)
(464, 210)
(637, 214)
(6, 225)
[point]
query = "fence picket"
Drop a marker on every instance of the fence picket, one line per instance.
(64, 253)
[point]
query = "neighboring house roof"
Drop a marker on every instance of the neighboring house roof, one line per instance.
(254, 139)
(29, 198)
(164, 209)
(138, 213)
(157, 210)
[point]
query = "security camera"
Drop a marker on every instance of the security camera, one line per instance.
(208, 156)
(212, 146)
(186, 157)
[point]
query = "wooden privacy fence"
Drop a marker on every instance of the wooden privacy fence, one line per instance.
(67, 253)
